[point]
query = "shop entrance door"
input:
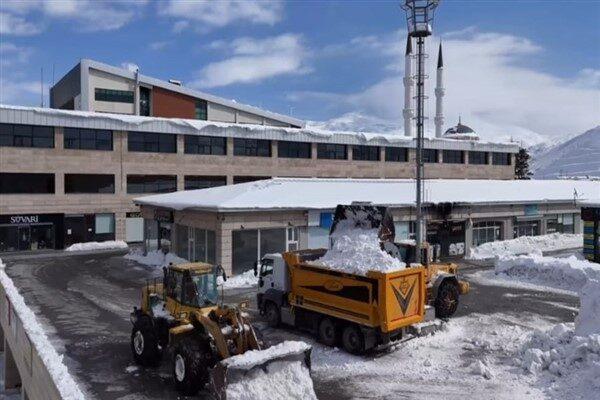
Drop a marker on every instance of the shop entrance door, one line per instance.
(24, 234)
(75, 229)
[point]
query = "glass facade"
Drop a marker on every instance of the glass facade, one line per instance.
(478, 157)
(486, 231)
(396, 154)
(560, 223)
(429, 155)
(501, 158)
(104, 223)
(293, 149)
(113, 96)
(88, 139)
(13, 135)
(453, 157)
(195, 244)
(193, 182)
(151, 142)
(201, 109)
(89, 183)
(526, 228)
(331, 151)
(23, 183)
(365, 153)
(151, 183)
(249, 245)
(209, 145)
(252, 147)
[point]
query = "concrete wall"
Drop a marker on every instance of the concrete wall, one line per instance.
(103, 80)
(66, 89)
(219, 113)
(23, 366)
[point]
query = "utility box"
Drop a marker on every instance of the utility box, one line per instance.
(590, 215)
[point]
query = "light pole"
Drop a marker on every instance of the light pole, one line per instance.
(419, 18)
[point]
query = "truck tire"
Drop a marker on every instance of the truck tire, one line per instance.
(328, 332)
(273, 314)
(190, 366)
(446, 301)
(353, 339)
(144, 343)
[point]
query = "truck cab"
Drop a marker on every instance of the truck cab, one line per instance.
(273, 280)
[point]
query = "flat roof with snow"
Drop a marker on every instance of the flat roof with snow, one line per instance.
(313, 193)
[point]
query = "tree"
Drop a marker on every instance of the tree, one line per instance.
(522, 164)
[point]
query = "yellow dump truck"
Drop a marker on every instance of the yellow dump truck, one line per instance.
(359, 312)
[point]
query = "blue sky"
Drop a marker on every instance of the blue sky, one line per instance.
(528, 69)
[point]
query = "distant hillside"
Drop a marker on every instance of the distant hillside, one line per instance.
(578, 156)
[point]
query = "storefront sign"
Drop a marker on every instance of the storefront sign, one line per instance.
(24, 219)
(163, 215)
(531, 209)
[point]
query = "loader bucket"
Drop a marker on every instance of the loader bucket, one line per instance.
(365, 216)
(238, 376)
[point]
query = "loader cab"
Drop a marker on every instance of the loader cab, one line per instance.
(192, 285)
(272, 273)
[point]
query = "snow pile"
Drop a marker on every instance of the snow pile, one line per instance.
(526, 245)
(478, 367)
(563, 273)
(357, 251)
(64, 382)
(107, 245)
(588, 320)
(155, 258)
(276, 380)
(243, 280)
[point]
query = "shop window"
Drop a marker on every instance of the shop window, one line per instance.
(151, 183)
(152, 142)
(201, 111)
(365, 153)
(89, 183)
(396, 154)
(14, 135)
(105, 223)
(478, 157)
(113, 96)
(210, 145)
(453, 157)
(251, 244)
(429, 155)
(486, 231)
(251, 147)
(23, 183)
(293, 149)
(501, 158)
(561, 223)
(332, 151)
(526, 228)
(193, 182)
(88, 139)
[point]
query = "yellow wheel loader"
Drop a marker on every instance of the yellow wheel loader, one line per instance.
(181, 316)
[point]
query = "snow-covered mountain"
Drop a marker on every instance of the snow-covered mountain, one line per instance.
(577, 156)
(358, 122)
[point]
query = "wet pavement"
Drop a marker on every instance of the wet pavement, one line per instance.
(85, 300)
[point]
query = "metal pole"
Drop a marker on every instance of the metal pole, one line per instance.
(419, 147)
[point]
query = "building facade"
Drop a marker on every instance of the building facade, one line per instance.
(590, 214)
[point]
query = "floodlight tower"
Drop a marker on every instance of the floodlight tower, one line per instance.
(419, 18)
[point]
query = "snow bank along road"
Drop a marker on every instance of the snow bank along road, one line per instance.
(85, 300)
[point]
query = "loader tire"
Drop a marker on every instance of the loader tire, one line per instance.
(144, 343)
(191, 362)
(273, 314)
(328, 332)
(446, 301)
(353, 339)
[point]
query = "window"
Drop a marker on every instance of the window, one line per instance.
(114, 96)
(20, 183)
(89, 183)
(244, 179)
(365, 153)
(252, 147)
(478, 157)
(293, 149)
(453, 157)
(501, 158)
(249, 245)
(88, 139)
(105, 223)
(14, 135)
(332, 151)
(205, 145)
(486, 231)
(429, 155)
(145, 101)
(152, 142)
(151, 183)
(194, 244)
(203, 182)
(396, 154)
(201, 110)
(561, 223)
(526, 228)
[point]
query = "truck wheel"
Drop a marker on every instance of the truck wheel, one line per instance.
(190, 366)
(273, 314)
(328, 332)
(446, 301)
(144, 343)
(353, 340)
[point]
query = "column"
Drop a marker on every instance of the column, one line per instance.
(180, 144)
(314, 149)
(12, 379)
(468, 236)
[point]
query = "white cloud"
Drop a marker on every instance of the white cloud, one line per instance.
(254, 60)
(487, 83)
(91, 15)
(159, 45)
(129, 66)
(180, 26)
(221, 13)
(18, 26)
(11, 54)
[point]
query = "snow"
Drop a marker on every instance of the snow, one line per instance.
(526, 245)
(588, 320)
(279, 380)
(243, 280)
(291, 193)
(109, 244)
(53, 362)
(155, 258)
(357, 251)
(252, 358)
